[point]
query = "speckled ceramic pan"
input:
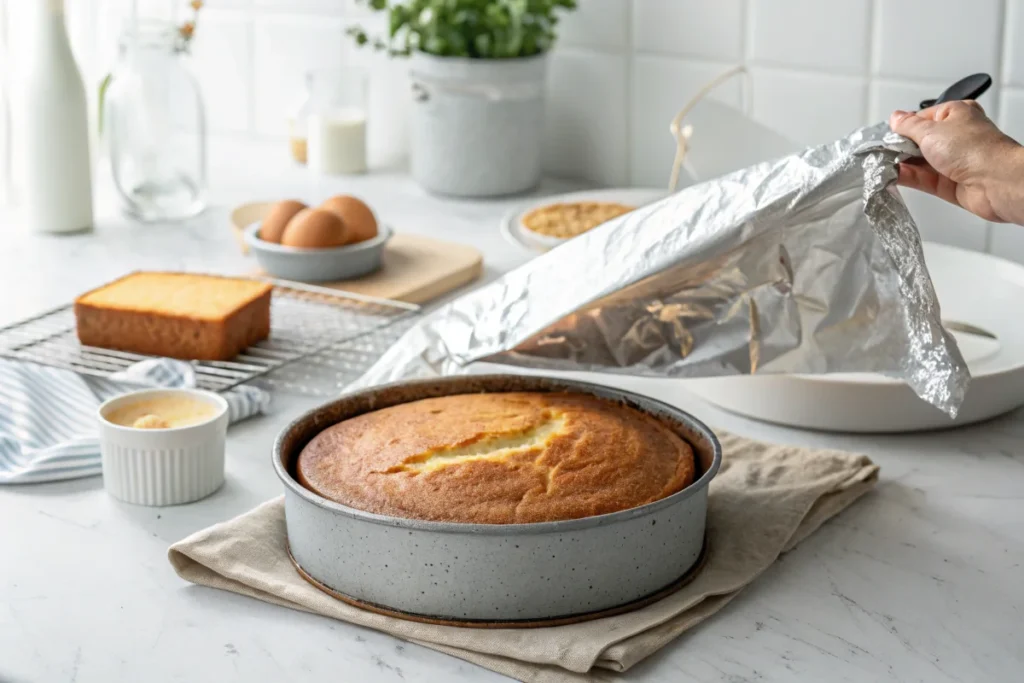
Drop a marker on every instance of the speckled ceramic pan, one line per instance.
(489, 574)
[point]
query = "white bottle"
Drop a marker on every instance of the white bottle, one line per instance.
(53, 127)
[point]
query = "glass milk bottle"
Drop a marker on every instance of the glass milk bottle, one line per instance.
(336, 121)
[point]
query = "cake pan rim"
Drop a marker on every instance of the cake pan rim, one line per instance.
(532, 528)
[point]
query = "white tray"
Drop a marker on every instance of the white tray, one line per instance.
(973, 288)
(514, 231)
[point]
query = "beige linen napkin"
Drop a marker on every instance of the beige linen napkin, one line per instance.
(764, 501)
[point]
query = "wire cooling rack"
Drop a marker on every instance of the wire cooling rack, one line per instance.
(330, 371)
(320, 340)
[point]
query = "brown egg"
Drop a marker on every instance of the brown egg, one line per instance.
(314, 229)
(356, 214)
(277, 219)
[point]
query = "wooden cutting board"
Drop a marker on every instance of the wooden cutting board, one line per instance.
(415, 268)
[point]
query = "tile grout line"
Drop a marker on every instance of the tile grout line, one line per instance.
(292, 12)
(761, 64)
(868, 66)
(1004, 57)
(998, 79)
(746, 49)
(1002, 50)
(250, 72)
(874, 48)
(630, 123)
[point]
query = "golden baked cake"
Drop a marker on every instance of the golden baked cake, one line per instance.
(498, 458)
(571, 219)
(180, 315)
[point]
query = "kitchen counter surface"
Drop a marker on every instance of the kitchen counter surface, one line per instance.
(919, 581)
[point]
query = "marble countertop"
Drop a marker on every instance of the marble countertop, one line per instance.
(920, 580)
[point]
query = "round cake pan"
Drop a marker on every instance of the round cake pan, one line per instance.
(495, 574)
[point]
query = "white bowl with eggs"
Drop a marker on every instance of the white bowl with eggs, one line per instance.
(163, 446)
(324, 264)
(338, 240)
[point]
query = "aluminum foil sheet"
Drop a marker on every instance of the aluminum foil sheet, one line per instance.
(808, 264)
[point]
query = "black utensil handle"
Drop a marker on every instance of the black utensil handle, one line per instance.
(970, 88)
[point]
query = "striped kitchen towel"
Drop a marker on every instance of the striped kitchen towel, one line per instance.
(48, 429)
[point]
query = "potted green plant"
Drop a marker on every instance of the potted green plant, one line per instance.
(477, 69)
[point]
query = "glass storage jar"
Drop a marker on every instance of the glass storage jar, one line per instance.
(155, 125)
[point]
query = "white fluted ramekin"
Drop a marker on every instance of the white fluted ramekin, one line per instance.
(159, 467)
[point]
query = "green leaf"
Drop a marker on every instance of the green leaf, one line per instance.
(435, 45)
(397, 20)
(488, 29)
(482, 43)
(359, 35)
(529, 45)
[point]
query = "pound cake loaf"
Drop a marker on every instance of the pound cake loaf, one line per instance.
(179, 315)
(499, 458)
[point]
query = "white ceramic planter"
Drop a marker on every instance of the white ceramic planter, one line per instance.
(477, 124)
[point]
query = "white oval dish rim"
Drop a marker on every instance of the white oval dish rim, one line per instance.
(868, 403)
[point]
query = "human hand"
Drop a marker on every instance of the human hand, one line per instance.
(968, 161)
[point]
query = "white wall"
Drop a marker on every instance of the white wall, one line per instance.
(624, 67)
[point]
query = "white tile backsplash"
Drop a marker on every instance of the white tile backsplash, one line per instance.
(387, 129)
(625, 67)
(940, 221)
(585, 123)
(821, 36)
(357, 8)
(224, 4)
(1013, 43)
(319, 6)
(942, 39)
(809, 108)
(223, 48)
(598, 24)
(157, 9)
(691, 28)
(661, 87)
(1011, 113)
(285, 48)
(1008, 240)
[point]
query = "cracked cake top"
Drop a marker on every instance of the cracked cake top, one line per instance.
(500, 458)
